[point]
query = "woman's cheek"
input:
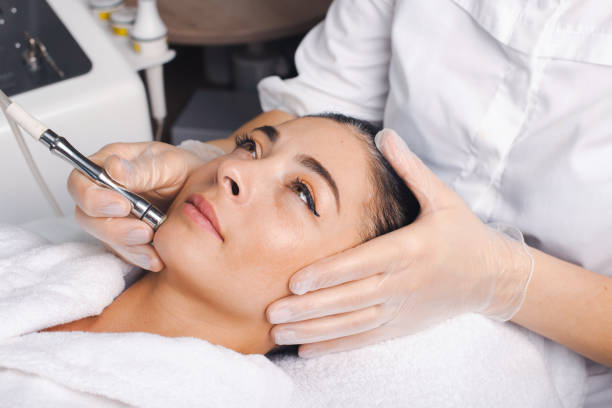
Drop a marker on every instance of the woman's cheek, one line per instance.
(274, 245)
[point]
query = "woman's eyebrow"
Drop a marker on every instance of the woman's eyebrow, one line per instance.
(307, 161)
(269, 131)
(314, 165)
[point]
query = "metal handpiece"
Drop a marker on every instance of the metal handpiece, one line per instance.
(141, 208)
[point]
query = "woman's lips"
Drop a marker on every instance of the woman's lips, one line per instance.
(202, 213)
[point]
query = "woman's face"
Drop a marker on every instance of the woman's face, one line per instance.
(288, 197)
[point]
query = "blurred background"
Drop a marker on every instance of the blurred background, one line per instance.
(105, 71)
(224, 47)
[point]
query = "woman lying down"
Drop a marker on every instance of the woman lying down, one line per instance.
(239, 228)
(245, 222)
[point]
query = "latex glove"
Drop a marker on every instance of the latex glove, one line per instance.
(444, 264)
(154, 170)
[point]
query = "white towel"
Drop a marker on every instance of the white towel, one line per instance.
(42, 285)
(469, 361)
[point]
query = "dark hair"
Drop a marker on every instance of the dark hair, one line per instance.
(393, 205)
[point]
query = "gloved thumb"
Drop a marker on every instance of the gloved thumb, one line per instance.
(149, 170)
(127, 173)
(430, 191)
(158, 168)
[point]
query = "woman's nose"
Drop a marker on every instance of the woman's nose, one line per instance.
(232, 179)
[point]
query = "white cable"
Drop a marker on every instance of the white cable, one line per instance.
(4, 100)
(30, 124)
(157, 97)
(159, 130)
(150, 39)
(4, 103)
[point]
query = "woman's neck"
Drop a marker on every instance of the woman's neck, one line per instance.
(153, 305)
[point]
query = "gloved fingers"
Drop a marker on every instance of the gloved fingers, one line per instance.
(115, 231)
(331, 327)
(128, 237)
(97, 201)
(143, 256)
(128, 151)
(124, 172)
(157, 168)
(346, 343)
(431, 192)
(372, 257)
(344, 298)
(94, 200)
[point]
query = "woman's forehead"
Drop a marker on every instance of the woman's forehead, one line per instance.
(338, 147)
(324, 137)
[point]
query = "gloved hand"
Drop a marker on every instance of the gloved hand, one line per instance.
(444, 264)
(154, 170)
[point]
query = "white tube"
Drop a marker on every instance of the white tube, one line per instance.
(26, 121)
(155, 83)
(5, 104)
(4, 100)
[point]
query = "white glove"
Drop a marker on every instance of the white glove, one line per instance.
(155, 170)
(444, 264)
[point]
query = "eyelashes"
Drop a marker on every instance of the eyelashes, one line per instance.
(303, 192)
(246, 142)
(298, 186)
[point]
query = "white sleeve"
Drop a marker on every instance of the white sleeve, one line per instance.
(342, 64)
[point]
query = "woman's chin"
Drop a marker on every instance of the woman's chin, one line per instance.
(179, 250)
(170, 241)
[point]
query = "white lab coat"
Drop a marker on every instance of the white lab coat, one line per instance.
(509, 102)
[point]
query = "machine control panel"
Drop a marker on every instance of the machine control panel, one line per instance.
(36, 49)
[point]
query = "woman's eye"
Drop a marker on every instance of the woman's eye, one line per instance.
(251, 148)
(304, 194)
(247, 143)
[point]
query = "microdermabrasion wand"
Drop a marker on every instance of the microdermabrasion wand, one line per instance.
(141, 208)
